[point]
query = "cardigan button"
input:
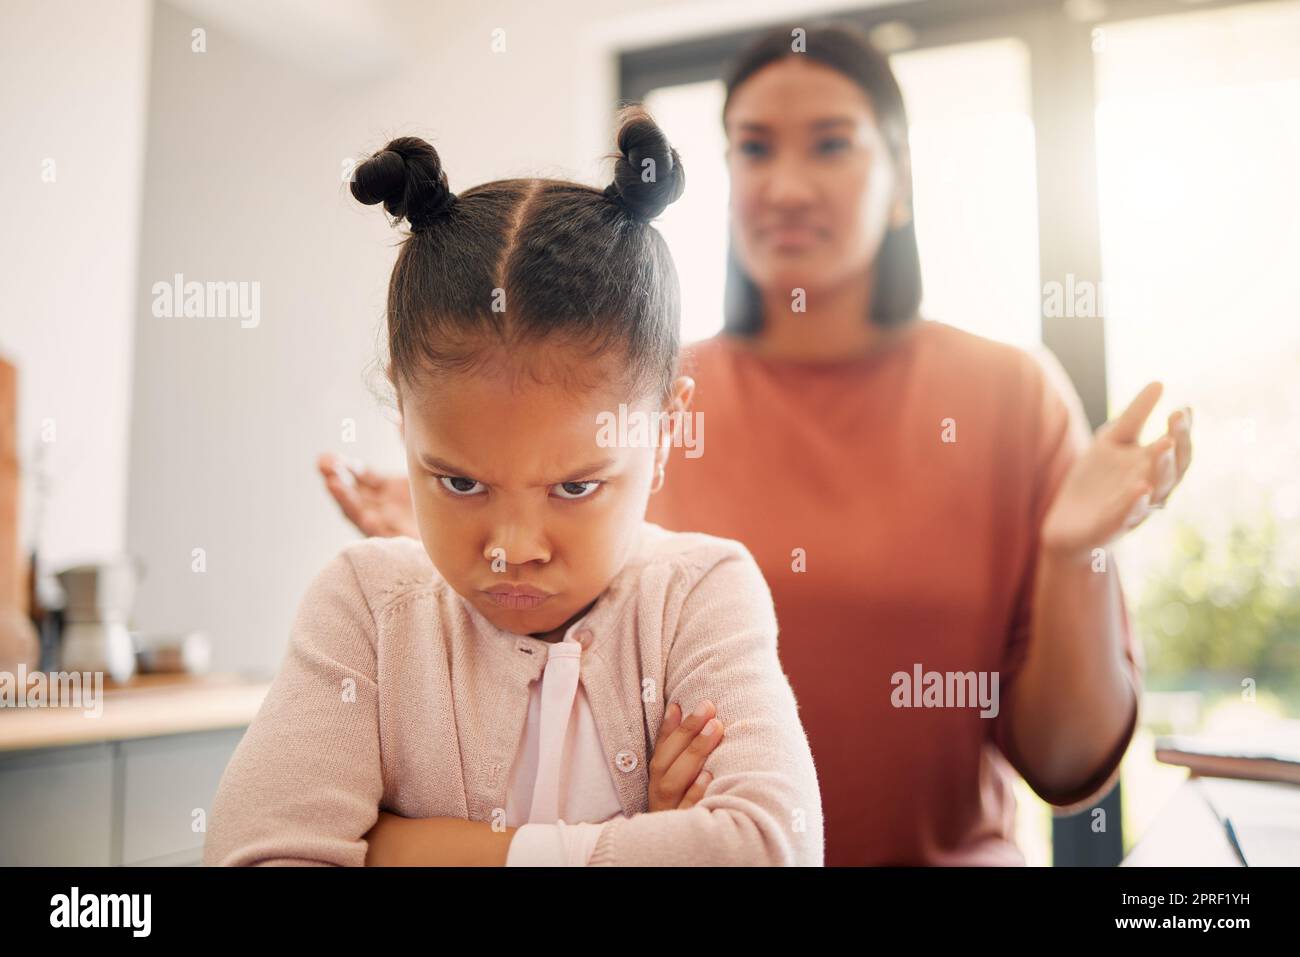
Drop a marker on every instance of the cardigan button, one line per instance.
(625, 761)
(584, 637)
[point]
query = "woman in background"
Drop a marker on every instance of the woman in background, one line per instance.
(925, 504)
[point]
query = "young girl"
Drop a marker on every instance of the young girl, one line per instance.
(511, 689)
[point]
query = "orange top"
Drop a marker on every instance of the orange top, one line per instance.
(892, 502)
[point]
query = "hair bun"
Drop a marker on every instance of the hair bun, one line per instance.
(407, 177)
(639, 140)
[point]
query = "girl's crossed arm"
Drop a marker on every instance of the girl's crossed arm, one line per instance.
(763, 806)
(677, 780)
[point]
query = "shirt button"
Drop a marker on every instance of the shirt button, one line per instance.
(625, 761)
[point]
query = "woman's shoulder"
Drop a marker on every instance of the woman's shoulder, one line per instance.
(703, 355)
(970, 349)
(1026, 389)
(1020, 373)
(937, 341)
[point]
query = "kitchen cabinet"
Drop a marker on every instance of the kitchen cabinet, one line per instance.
(132, 787)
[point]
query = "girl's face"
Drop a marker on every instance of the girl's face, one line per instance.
(813, 185)
(519, 506)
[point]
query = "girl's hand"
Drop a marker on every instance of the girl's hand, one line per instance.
(677, 778)
(376, 504)
(1117, 482)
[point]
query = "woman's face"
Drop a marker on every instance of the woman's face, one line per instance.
(813, 185)
(523, 506)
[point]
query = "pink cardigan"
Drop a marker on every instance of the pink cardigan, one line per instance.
(397, 695)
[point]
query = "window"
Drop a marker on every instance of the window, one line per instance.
(695, 226)
(972, 144)
(1198, 143)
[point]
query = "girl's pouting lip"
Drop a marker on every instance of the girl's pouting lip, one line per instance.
(516, 597)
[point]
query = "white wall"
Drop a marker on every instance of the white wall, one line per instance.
(73, 90)
(245, 151)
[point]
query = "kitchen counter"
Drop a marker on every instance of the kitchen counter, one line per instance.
(145, 707)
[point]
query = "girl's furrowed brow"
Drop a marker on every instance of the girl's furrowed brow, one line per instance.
(438, 465)
(581, 474)
(435, 464)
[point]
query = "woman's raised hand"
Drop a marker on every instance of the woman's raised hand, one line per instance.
(1117, 482)
(677, 776)
(376, 504)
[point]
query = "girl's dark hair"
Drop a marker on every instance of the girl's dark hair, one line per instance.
(896, 297)
(514, 262)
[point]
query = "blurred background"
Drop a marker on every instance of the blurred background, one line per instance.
(1114, 180)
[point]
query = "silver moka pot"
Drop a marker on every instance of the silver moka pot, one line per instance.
(97, 610)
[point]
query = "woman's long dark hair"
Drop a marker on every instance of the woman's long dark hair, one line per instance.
(515, 262)
(896, 296)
